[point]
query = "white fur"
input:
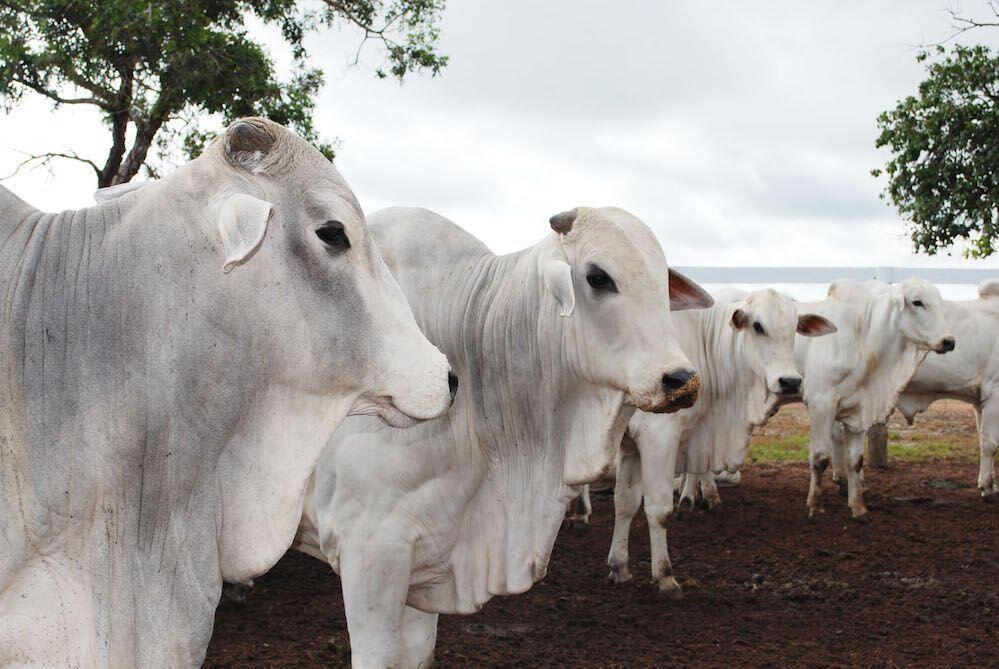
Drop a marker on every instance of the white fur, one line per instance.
(442, 517)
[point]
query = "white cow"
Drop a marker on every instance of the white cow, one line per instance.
(174, 360)
(853, 378)
(743, 350)
(555, 346)
(970, 374)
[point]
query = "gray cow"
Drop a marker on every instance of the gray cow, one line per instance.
(173, 361)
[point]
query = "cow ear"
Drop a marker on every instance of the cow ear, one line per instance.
(813, 325)
(557, 276)
(685, 294)
(740, 319)
(242, 222)
(897, 298)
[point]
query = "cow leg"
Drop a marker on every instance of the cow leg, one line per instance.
(819, 452)
(688, 495)
(988, 438)
(419, 633)
(709, 491)
(854, 443)
(658, 463)
(375, 583)
(581, 508)
(627, 498)
(840, 460)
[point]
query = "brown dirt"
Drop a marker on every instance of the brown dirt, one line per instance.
(764, 587)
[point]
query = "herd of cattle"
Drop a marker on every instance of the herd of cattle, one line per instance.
(177, 357)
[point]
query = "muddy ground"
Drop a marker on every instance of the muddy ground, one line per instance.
(764, 586)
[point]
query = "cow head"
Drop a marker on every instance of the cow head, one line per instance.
(608, 276)
(767, 322)
(919, 307)
(300, 265)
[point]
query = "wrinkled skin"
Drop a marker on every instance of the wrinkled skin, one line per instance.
(853, 379)
(970, 374)
(441, 518)
(173, 360)
(743, 349)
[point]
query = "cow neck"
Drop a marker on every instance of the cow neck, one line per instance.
(889, 360)
(960, 373)
(733, 398)
(532, 419)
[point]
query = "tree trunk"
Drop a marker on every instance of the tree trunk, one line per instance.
(119, 125)
(145, 132)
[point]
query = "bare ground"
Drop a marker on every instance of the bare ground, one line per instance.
(764, 585)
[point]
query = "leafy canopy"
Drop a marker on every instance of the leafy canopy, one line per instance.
(157, 68)
(943, 174)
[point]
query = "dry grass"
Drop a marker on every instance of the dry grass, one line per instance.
(946, 431)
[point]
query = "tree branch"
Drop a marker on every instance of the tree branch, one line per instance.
(962, 24)
(45, 158)
(41, 90)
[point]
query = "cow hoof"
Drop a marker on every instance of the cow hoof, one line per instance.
(619, 575)
(815, 511)
(990, 497)
(863, 519)
(579, 524)
(844, 489)
(236, 592)
(684, 508)
(669, 588)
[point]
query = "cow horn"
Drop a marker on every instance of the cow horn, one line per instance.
(562, 223)
(248, 136)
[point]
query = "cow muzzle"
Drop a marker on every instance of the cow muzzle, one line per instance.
(680, 388)
(789, 385)
(946, 344)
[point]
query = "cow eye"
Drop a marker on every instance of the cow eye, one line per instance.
(600, 280)
(917, 303)
(334, 236)
(759, 328)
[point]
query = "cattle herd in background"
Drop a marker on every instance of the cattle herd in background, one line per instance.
(202, 371)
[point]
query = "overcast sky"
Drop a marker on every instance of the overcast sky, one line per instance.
(742, 133)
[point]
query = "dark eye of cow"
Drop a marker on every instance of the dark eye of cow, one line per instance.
(759, 328)
(917, 303)
(600, 280)
(334, 236)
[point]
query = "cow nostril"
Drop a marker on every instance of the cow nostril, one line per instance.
(789, 384)
(676, 380)
(452, 384)
(947, 344)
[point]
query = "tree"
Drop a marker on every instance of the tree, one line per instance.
(943, 175)
(157, 68)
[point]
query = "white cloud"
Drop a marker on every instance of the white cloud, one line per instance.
(742, 133)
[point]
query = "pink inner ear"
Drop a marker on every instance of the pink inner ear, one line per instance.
(814, 325)
(685, 294)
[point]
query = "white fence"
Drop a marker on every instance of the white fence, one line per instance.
(770, 275)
